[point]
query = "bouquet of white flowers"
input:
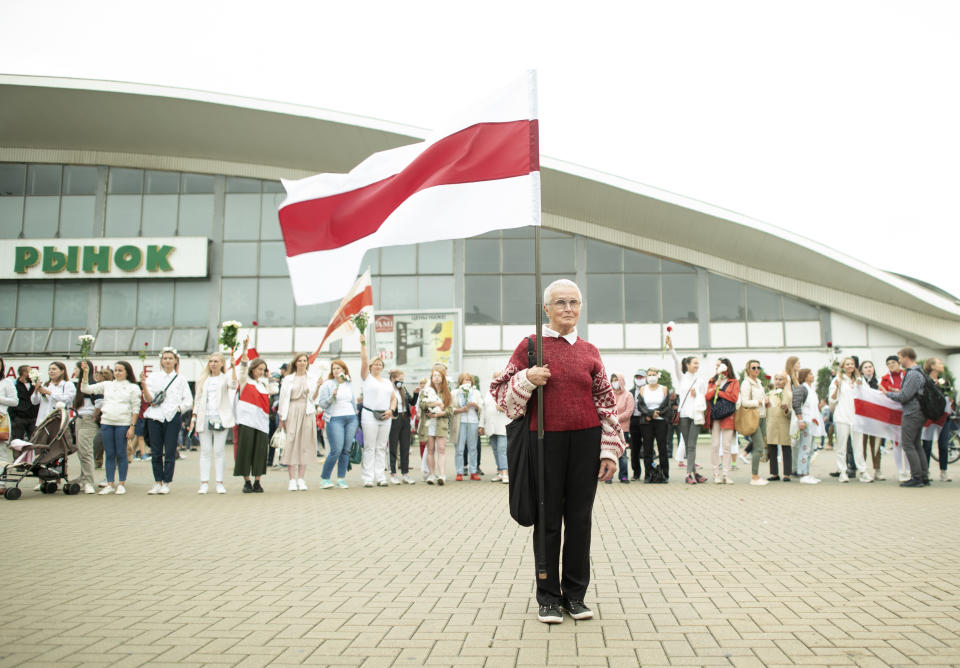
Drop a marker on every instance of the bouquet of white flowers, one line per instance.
(34, 376)
(360, 321)
(228, 334)
(86, 344)
(343, 378)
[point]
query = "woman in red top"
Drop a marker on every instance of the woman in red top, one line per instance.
(724, 385)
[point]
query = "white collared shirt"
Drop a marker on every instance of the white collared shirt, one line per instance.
(570, 338)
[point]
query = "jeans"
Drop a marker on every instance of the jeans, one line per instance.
(498, 443)
(468, 440)
(115, 449)
(943, 444)
(163, 447)
(340, 432)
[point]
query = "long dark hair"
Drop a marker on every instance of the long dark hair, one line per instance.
(730, 372)
(78, 399)
(129, 369)
(873, 379)
(63, 372)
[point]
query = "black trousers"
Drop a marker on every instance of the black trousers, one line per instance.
(656, 430)
(787, 459)
(636, 446)
(400, 437)
(22, 427)
(572, 460)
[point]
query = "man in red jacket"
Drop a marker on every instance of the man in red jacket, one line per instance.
(891, 382)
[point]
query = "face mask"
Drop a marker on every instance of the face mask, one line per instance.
(615, 384)
(468, 385)
(398, 383)
(651, 380)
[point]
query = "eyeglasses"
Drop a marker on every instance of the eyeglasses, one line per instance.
(562, 304)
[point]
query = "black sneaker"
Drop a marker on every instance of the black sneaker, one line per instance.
(550, 614)
(247, 487)
(577, 609)
(926, 482)
(835, 474)
(913, 482)
(773, 477)
(257, 487)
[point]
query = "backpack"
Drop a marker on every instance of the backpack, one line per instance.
(932, 402)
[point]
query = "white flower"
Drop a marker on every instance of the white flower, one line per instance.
(232, 323)
(671, 325)
(34, 376)
(86, 338)
(722, 368)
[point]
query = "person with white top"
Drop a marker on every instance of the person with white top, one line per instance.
(56, 390)
(808, 421)
(752, 395)
(118, 415)
(8, 399)
(298, 417)
(339, 404)
(691, 389)
(169, 397)
(493, 424)
(379, 405)
(213, 416)
(86, 406)
(653, 404)
(841, 400)
(467, 401)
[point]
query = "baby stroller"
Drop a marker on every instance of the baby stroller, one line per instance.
(44, 456)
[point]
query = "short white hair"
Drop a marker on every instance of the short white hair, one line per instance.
(560, 283)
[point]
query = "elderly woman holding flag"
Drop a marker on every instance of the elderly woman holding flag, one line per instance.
(582, 442)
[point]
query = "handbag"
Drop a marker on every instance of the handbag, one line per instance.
(747, 421)
(721, 408)
(279, 440)
(4, 427)
(162, 394)
(356, 449)
(520, 462)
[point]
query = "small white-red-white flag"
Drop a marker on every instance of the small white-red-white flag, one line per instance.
(479, 174)
(876, 414)
(359, 299)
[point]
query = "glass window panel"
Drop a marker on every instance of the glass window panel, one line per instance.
(123, 215)
(155, 308)
(162, 183)
(152, 339)
(318, 315)
(668, 267)
(435, 292)
(11, 217)
(160, 215)
(518, 303)
(8, 305)
(642, 298)
(240, 259)
(197, 183)
(435, 257)
(273, 259)
(371, 261)
(273, 187)
(76, 216)
(196, 215)
(241, 218)
(276, 302)
(30, 341)
(398, 259)
(603, 258)
(13, 179)
(640, 263)
(191, 303)
(726, 300)
(762, 305)
(125, 181)
(605, 298)
(118, 303)
(70, 304)
(193, 340)
(556, 255)
(517, 255)
(269, 216)
(114, 340)
(78, 180)
(41, 217)
(43, 179)
(236, 184)
(482, 256)
(238, 299)
(796, 310)
(519, 232)
(679, 297)
(482, 300)
(398, 292)
(35, 306)
(64, 342)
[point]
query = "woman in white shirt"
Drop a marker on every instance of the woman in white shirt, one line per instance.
(298, 417)
(841, 400)
(56, 390)
(169, 396)
(86, 405)
(379, 404)
(653, 403)
(118, 415)
(335, 396)
(8, 399)
(691, 406)
(213, 416)
(493, 424)
(467, 401)
(752, 395)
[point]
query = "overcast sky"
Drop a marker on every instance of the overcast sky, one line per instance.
(837, 119)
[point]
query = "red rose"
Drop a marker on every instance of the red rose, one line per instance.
(254, 323)
(829, 344)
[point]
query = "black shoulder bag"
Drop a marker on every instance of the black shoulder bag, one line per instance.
(520, 462)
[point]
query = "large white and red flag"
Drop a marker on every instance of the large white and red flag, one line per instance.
(359, 299)
(875, 414)
(481, 173)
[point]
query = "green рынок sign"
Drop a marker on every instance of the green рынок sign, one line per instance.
(170, 257)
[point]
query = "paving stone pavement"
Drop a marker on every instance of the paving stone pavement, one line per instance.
(834, 575)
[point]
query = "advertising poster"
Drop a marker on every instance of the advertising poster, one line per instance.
(416, 340)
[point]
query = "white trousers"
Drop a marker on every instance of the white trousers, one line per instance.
(841, 430)
(376, 434)
(211, 443)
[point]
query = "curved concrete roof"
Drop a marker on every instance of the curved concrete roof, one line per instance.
(101, 122)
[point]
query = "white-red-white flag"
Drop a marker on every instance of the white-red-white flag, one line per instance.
(875, 414)
(481, 173)
(359, 299)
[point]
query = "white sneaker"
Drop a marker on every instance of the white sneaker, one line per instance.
(407, 480)
(88, 489)
(368, 484)
(727, 481)
(121, 490)
(944, 477)
(904, 477)
(155, 489)
(877, 476)
(497, 477)
(809, 480)
(759, 482)
(505, 478)
(394, 480)
(326, 484)
(221, 489)
(107, 490)
(102, 483)
(383, 483)
(203, 488)
(441, 479)
(301, 485)
(164, 489)
(865, 477)
(843, 477)
(292, 486)
(717, 480)
(431, 479)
